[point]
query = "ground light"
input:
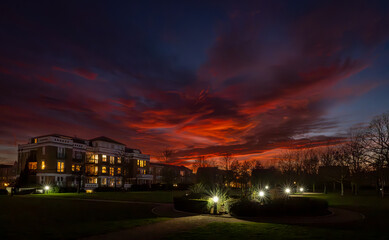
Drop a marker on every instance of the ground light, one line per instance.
(266, 187)
(47, 188)
(261, 194)
(287, 190)
(301, 189)
(215, 199)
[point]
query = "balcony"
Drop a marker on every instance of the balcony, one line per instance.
(91, 185)
(144, 176)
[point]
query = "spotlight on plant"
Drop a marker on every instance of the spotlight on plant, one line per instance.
(215, 199)
(301, 189)
(287, 190)
(261, 194)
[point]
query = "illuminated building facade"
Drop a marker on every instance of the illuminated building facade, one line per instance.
(73, 162)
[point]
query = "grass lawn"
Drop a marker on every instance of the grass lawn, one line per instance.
(48, 218)
(375, 226)
(154, 196)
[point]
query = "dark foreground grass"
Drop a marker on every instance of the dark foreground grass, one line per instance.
(48, 218)
(375, 226)
(144, 196)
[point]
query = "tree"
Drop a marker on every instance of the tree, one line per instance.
(377, 141)
(166, 155)
(200, 162)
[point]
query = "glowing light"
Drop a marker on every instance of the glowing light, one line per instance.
(89, 191)
(301, 189)
(287, 190)
(261, 193)
(47, 188)
(6, 184)
(215, 199)
(266, 187)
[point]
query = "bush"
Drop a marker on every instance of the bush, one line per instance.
(191, 205)
(295, 206)
(3, 192)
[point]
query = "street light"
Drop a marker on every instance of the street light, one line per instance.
(215, 199)
(266, 187)
(287, 190)
(261, 194)
(301, 189)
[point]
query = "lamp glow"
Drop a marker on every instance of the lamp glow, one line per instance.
(266, 187)
(301, 189)
(287, 190)
(261, 193)
(215, 199)
(47, 188)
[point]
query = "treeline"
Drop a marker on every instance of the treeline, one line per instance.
(362, 158)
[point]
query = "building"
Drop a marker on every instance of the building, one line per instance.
(7, 174)
(171, 174)
(73, 162)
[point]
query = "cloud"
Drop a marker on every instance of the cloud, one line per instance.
(270, 76)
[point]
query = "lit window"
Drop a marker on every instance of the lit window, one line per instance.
(111, 182)
(111, 160)
(119, 160)
(96, 170)
(73, 167)
(78, 168)
(104, 158)
(32, 165)
(60, 166)
(103, 169)
(119, 170)
(137, 162)
(103, 181)
(96, 158)
(35, 140)
(43, 166)
(111, 171)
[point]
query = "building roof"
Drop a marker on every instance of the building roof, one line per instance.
(168, 165)
(132, 150)
(106, 139)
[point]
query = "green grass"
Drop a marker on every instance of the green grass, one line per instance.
(375, 226)
(154, 196)
(49, 218)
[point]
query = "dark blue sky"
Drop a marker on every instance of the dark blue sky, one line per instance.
(200, 77)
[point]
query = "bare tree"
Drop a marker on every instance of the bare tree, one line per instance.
(226, 160)
(377, 141)
(201, 161)
(166, 155)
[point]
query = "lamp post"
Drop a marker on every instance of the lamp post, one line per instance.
(261, 196)
(215, 200)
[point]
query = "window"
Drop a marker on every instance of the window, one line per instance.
(111, 159)
(111, 171)
(96, 158)
(77, 155)
(94, 170)
(119, 160)
(60, 166)
(104, 158)
(43, 150)
(32, 165)
(119, 182)
(103, 169)
(141, 163)
(111, 182)
(119, 170)
(43, 165)
(61, 152)
(104, 181)
(78, 168)
(35, 140)
(182, 173)
(91, 180)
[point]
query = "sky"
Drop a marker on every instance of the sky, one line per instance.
(199, 77)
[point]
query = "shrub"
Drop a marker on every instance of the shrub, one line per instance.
(295, 206)
(3, 192)
(191, 205)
